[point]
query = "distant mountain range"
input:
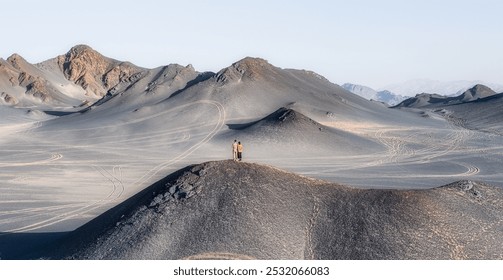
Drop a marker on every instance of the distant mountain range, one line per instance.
(83, 79)
(396, 93)
(368, 93)
(435, 100)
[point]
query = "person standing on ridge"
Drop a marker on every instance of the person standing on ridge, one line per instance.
(235, 150)
(240, 151)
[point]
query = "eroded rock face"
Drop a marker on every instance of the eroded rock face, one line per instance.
(94, 72)
(119, 73)
(5, 69)
(247, 68)
(17, 61)
(38, 89)
(19, 74)
(8, 99)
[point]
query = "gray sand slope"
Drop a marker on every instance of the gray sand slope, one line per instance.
(286, 130)
(233, 210)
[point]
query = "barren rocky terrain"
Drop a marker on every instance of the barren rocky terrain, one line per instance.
(234, 210)
(83, 133)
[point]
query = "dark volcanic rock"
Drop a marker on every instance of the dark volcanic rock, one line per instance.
(231, 210)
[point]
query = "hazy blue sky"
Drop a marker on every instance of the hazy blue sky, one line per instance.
(368, 42)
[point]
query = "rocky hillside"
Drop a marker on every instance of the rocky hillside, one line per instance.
(94, 72)
(251, 88)
(236, 210)
(81, 77)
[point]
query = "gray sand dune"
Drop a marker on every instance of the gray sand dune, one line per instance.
(234, 210)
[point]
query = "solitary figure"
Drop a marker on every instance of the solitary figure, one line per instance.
(240, 151)
(235, 150)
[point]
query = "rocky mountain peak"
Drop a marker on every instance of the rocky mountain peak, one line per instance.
(82, 60)
(246, 68)
(96, 73)
(479, 91)
(7, 69)
(252, 62)
(78, 49)
(16, 61)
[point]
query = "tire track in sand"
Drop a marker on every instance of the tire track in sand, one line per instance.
(117, 182)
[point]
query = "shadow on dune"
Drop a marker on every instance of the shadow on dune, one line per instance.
(22, 246)
(59, 113)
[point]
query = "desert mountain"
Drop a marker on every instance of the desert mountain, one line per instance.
(36, 86)
(83, 77)
(475, 93)
(252, 88)
(94, 72)
(79, 78)
(477, 109)
(426, 100)
(234, 210)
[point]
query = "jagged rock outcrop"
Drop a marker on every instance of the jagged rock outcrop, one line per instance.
(6, 70)
(173, 76)
(7, 99)
(38, 89)
(96, 73)
(17, 61)
(35, 86)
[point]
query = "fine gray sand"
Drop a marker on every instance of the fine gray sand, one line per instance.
(83, 133)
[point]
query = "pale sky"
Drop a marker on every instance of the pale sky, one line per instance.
(373, 43)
